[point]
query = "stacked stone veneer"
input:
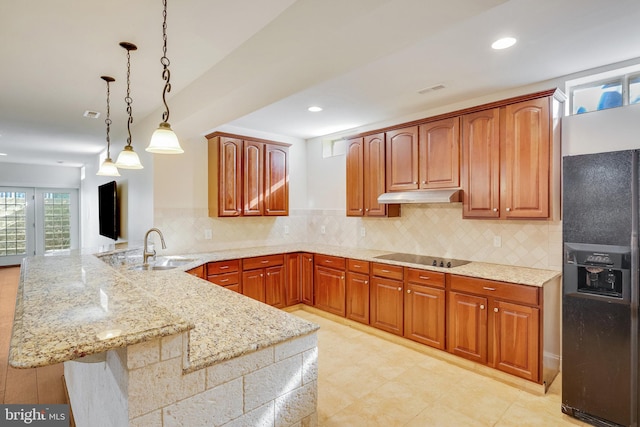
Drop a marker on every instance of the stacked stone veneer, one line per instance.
(146, 385)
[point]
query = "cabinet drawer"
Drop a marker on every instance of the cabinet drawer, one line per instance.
(504, 291)
(225, 279)
(358, 266)
(425, 277)
(219, 267)
(262, 262)
(387, 270)
(330, 261)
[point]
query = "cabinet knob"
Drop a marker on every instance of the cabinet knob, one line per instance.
(424, 182)
(508, 209)
(495, 309)
(261, 275)
(495, 209)
(360, 209)
(366, 282)
(408, 291)
(400, 288)
(268, 274)
(415, 182)
(342, 277)
(367, 209)
(481, 306)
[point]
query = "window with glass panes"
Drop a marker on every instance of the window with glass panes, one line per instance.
(57, 221)
(13, 220)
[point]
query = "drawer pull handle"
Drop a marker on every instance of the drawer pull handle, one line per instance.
(266, 261)
(425, 277)
(224, 280)
(224, 267)
(486, 288)
(386, 271)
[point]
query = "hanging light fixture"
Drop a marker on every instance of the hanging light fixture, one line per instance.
(164, 140)
(108, 168)
(128, 159)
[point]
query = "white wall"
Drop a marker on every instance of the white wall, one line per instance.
(614, 129)
(20, 175)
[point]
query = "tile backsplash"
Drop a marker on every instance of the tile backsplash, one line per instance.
(434, 229)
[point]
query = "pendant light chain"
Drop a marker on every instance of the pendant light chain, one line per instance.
(128, 99)
(166, 74)
(107, 121)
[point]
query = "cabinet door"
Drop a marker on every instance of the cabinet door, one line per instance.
(374, 174)
(253, 161)
(274, 286)
(467, 336)
(253, 284)
(402, 159)
(516, 339)
(276, 180)
(358, 297)
(197, 271)
(386, 305)
(307, 278)
(329, 285)
(229, 177)
(355, 177)
(481, 164)
(293, 285)
(439, 154)
(527, 161)
(424, 315)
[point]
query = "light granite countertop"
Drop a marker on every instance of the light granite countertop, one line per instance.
(76, 305)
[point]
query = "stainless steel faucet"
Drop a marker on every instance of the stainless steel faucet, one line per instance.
(145, 252)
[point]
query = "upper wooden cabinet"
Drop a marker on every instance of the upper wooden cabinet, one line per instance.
(511, 160)
(247, 177)
(366, 177)
(439, 154)
(402, 159)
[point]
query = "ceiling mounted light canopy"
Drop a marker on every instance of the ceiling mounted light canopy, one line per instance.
(108, 168)
(503, 43)
(164, 140)
(128, 159)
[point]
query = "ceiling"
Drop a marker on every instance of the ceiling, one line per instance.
(258, 64)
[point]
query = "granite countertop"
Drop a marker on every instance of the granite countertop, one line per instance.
(503, 273)
(73, 306)
(76, 305)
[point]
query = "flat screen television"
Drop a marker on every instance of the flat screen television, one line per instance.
(109, 216)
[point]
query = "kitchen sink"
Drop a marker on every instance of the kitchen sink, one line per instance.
(164, 263)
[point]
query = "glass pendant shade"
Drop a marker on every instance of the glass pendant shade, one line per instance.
(108, 168)
(164, 141)
(128, 159)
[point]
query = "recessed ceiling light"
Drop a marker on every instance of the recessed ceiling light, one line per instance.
(503, 43)
(314, 109)
(91, 114)
(3, 154)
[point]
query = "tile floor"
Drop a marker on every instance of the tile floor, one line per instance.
(365, 380)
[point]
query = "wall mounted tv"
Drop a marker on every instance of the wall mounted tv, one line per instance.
(109, 214)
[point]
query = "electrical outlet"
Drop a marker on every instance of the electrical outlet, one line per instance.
(286, 229)
(497, 241)
(208, 234)
(363, 232)
(323, 230)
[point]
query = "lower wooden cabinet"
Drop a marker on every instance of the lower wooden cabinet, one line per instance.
(198, 271)
(226, 274)
(496, 323)
(386, 298)
(329, 284)
(358, 291)
(263, 279)
(424, 307)
(299, 282)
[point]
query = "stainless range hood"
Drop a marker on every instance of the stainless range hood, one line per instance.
(422, 196)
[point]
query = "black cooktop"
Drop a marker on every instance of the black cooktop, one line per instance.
(424, 260)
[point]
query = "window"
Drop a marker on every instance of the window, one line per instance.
(57, 221)
(605, 90)
(13, 220)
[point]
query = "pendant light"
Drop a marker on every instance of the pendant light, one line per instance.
(164, 140)
(108, 168)
(128, 159)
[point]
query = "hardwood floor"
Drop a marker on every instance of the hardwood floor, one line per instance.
(28, 386)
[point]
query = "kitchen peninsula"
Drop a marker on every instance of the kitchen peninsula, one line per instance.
(162, 348)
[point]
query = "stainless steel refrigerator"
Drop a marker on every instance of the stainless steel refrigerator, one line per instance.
(600, 288)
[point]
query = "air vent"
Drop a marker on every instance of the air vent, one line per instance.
(91, 114)
(431, 89)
